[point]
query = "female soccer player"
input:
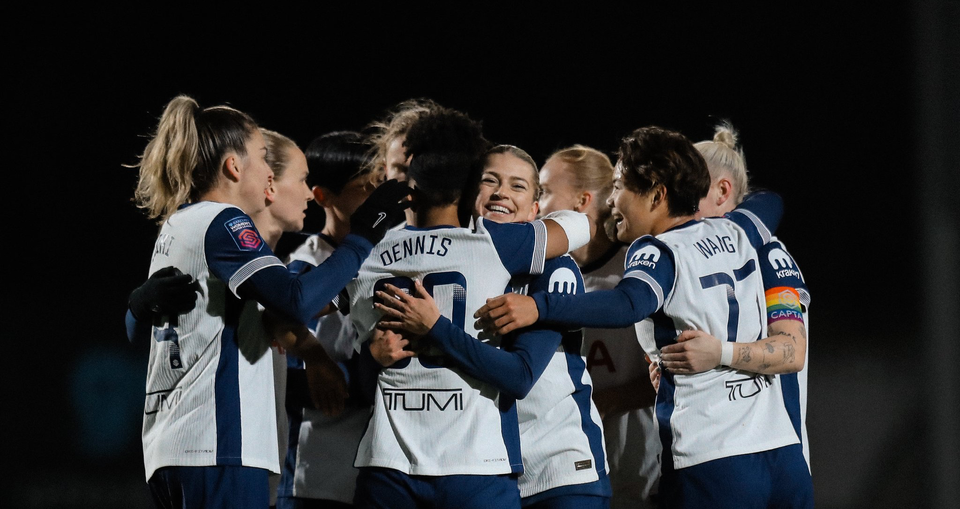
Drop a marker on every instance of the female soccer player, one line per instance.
(685, 274)
(787, 297)
(561, 440)
(209, 393)
(318, 469)
(437, 436)
(581, 178)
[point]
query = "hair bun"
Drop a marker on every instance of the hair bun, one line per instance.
(725, 134)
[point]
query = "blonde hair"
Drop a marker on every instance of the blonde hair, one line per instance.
(182, 160)
(278, 146)
(723, 154)
(396, 124)
(590, 170)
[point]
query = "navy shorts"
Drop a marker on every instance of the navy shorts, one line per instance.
(387, 488)
(210, 487)
(572, 502)
(775, 478)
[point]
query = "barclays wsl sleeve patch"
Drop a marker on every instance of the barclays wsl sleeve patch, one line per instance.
(242, 232)
(783, 303)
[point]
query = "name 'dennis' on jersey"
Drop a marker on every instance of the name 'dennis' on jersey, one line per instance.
(431, 244)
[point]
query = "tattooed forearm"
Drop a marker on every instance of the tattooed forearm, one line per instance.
(789, 353)
(791, 336)
(745, 354)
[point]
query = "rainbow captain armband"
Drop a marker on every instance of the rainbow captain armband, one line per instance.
(783, 303)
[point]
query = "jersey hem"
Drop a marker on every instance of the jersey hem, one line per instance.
(703, 458)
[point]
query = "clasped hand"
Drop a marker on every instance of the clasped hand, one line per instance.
(694, 352)
(507, 313)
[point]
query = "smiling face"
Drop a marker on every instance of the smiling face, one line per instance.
(291, 193)
(630, 209)
(507, 190)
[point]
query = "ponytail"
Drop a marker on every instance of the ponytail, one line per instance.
(182, 161)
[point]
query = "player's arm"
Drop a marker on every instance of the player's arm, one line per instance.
(524, 247)
(566, 231)
(138, 331)
(638, 295)
(759, 215)
(782, 351)
(299, 297)
(251, 269)
(382, 350)
(513, 371)
(327, 385)
(167, 292)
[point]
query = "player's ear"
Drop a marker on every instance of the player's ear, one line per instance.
(583, 201)
(726, 190)
(659, 195)
(232, 166)
(271, 191)
(320, 195)
(534, 212)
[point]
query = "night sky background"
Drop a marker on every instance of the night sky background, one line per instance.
(826, 101)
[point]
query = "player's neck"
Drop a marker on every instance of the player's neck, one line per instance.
(671, 222)
(229, 193)
(269, 229)
(436, 216)
(334, 228)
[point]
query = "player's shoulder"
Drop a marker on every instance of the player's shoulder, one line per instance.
(485, 226)
(777, 264)
(561, 262)
(560, 275)
(202, 213)
(647, 251)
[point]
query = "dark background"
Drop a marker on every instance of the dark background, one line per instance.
(850, 115)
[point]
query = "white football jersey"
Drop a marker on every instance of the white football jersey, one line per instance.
(429, 419)
(614, 358)
(715, 286)
(210, 388)
(561, 435)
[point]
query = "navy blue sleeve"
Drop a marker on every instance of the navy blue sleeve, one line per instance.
(525, 354)
(300, 266)
(368, 370)
(513, 372)
(138, 332)
(237, 255)
(521, 246)
(759, 215)
(648, 277)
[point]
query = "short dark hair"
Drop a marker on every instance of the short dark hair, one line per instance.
(652, 156)
(336, 158)
(447, 150)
